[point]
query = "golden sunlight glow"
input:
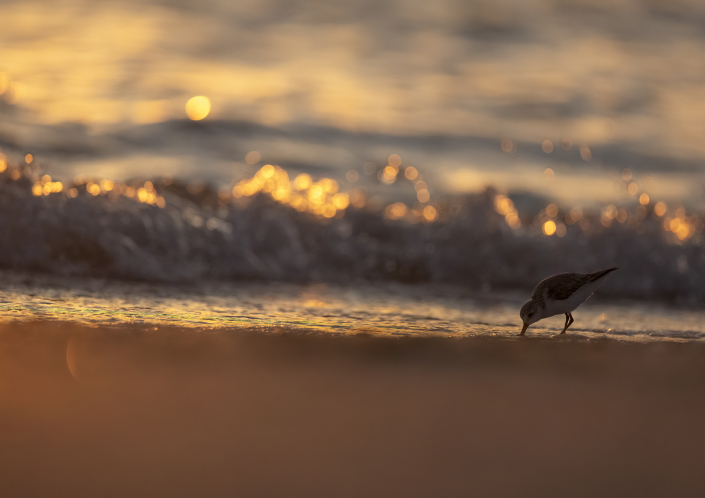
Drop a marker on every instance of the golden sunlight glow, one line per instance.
(549, 228)
(507, 145)
(198, 108)
(660, 208)
(29, 158)
(423, 196)
(548, 173)
(547, 146)
(3, 162)
(37, 189)
(644, 199)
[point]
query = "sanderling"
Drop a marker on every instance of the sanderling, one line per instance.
(558, 294)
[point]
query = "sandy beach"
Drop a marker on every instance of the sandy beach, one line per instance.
(128, 411)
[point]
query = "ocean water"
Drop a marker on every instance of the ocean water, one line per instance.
(380, 310)
(482, 146)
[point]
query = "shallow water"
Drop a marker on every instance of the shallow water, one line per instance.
(380, 310)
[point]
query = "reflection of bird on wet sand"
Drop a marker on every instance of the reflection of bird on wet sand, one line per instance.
(561, 293)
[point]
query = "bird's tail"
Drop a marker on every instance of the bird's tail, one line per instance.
(599, 274)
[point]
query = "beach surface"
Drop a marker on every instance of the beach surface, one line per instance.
(139, 410)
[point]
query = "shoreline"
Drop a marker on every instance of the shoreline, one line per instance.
(95, 411)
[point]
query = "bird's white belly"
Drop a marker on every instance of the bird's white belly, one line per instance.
(568, 305)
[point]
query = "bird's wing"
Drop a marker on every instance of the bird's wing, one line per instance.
(560, 287)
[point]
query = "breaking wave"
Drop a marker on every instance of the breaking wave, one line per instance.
(182, 236)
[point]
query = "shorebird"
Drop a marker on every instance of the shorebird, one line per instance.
(558, 294)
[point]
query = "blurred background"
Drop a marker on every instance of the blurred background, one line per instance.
(395, 139)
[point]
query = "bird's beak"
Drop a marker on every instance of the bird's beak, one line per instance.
(523, 329)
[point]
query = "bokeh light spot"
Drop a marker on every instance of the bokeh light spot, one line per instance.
(549, 228)
(547, 146)
(252, 157)
(198, 108)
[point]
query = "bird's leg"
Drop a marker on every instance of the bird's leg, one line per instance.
(568, 321)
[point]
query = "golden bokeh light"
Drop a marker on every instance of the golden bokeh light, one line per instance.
(548, 173)
(503, 204)
(561, 230)
(547, 146)
(585, 153)
(512, 219)
(644, 199)
(341, 200)
(29, 158)
(388, 175)
(507, 145)
(411, 173)
(396, 211)
(626, 174)
(552, 210)
(252, 157)
(302, 181)
(197, 108)
(566, 143)
(549, 227)
(574, 215)
(3, 162)
(352, 176)
(660, 208)
(633, 188)
(430, 213)
(394, 161)
(423, 196)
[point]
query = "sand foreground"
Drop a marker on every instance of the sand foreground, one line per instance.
(182, 413)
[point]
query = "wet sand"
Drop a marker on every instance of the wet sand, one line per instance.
(180, 413)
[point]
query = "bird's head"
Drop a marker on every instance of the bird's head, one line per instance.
(530, 313)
